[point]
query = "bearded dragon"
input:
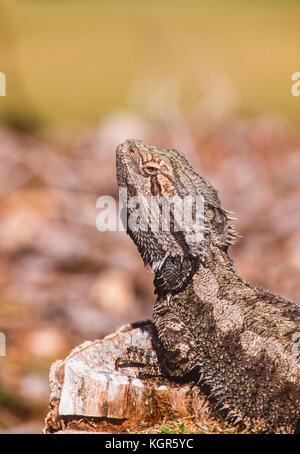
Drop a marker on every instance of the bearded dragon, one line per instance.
(239, 342)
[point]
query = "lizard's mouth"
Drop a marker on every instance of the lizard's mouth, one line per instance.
(122, 163)
(128, 162)
(129, 150)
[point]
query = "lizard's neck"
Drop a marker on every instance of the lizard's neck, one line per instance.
(220, 267)
(218, 261)
(207, 277)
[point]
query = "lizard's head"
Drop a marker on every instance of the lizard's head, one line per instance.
(145, 168)
(156, 180)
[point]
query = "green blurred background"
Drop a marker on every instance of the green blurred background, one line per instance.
(72, 62)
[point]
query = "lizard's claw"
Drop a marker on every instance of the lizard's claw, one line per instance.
(196, 369)
(117, 363)
(196, 365)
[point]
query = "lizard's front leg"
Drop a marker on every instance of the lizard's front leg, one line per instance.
(179, 349)
(146, 360)
(175, 353)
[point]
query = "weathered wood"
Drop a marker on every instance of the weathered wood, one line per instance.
(87, 393)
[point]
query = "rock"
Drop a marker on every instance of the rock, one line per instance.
(87, 393)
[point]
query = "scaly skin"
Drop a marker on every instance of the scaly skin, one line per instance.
(238, 340)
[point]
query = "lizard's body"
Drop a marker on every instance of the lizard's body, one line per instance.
(239, 339)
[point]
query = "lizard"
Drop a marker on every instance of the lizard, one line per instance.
(238, 342)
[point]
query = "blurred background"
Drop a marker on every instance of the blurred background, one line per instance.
(212, 79)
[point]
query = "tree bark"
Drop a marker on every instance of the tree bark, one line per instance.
(88, 394)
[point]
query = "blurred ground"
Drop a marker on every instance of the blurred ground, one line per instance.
(63, 282)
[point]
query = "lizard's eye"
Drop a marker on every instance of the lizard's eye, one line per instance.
(151, 170)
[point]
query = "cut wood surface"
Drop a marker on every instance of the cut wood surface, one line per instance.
(88, 394)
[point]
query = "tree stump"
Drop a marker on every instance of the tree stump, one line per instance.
(88, 394)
